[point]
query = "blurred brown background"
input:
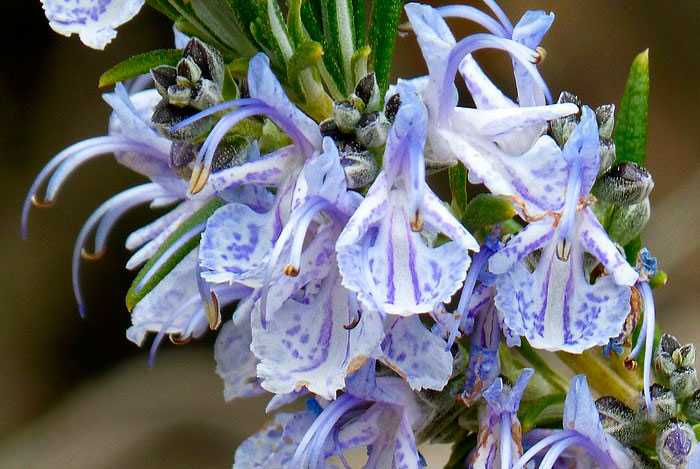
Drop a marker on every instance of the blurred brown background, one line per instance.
(76, 393)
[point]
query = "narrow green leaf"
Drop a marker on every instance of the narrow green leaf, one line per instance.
(165, 8)
(139, 64)
(359, 64)
(270, 31)
(306, 55)
(485, 211)
(311, 16)
(458, 189)
(132, 296)
(339, 31)
(221, 20)
(358, 22)
(631, 130)
(382, 38)
(546, 409)
(247, 12)
(542, 367)
(230, 89)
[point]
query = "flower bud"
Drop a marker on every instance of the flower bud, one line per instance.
(207, 59)
(605, 115)
(359, 164)
(663, 405)
(664, 365)
(392, 107)
(683, 382)
(685, 356)
(628, 221)
(619, 421)
(372, 129)
(367, 90)
(674, 444)
(345, 115)
(691, 407)
(187, 69)
(624, 184)
(182, 155)
(561, 128)
(607, 155)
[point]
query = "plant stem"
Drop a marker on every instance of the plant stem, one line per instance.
(600, 376)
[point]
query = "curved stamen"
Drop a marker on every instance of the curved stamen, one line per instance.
(313, 205)
(542, 444)
(649, 320)
(354, 312)
(172, 249)
(213, 110)
(32, 198)
(209, 299)
(163, 330)
(501, 15)
(77, 159)
(526, 56)
(506, 441)
(130, 197)
(473, 14)
(555, 451)
(310, 448)
(205, 157)
(417, 182)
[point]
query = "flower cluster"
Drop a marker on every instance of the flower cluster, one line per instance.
(296, 181)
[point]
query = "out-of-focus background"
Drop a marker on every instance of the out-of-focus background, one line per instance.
(75, 393)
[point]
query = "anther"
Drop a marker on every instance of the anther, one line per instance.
(36, 202)
(630, 364)
(541, 55)
(417, 222)
(354, 323)
(177, 339)
(213, 312)
(291, 270)
(92, 257)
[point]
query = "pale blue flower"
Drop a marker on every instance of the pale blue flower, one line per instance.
(499, 442)
(582, 436)
(495, 142)
(94, 20)
(383, 253)
(555, 306)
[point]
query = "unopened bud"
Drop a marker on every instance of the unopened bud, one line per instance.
(691, 406)
(607, 155)
(619, 421)
(628, 221)
(372, 129)
(685, 356)
(345, 115)
(561, 128)
(674, 444)
(664, 365)
(605, 115)
(663, 405)
(683, 382)
(367, 90)
(359, 164)
(391, 108)
(624, 184)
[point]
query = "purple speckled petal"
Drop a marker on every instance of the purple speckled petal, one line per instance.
(583, 149)
(438, 218)
(484, 92)
(270, 170)
(234, 361)
(580, 412)
(416, 354)
(436, 42)
(307, 345)
(529, 31)
(236, 244)
(94, 20)
(495, 122)
(169, 304)
(263, 85)
(391, 267)
(595, 240)
(531, 238)
(556, 308)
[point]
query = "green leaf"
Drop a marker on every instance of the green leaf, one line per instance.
(230, 89)
(311, 16)
(631, 130)
(247, 12)
(306, 55)
(485, 211)
(132, 296)
(139, 64)
(545, 410)
(458, 189)
(339, 33)
(358, 13)
(221, 20)
(165, 8)
(270, 30)
(382, 38)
